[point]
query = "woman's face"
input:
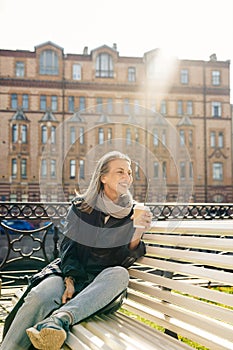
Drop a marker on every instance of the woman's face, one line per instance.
(118, 179)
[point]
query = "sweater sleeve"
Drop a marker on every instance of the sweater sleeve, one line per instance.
(127, 257)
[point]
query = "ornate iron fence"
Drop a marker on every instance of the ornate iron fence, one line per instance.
(161, 211)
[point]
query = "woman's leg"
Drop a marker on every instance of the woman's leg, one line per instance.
(50, 334)
(40, 301)
(104, 288)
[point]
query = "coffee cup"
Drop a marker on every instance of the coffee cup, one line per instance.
(139, 210)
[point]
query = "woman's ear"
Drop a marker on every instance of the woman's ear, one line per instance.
(102, 179)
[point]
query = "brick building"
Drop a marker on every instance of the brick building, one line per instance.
(60, 112)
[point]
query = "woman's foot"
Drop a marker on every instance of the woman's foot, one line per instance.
(50, 334)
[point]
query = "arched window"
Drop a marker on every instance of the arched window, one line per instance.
(104, 66)
(49, 63)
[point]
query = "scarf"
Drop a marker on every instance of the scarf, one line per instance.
(117, 210)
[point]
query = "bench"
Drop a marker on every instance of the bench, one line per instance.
(180, 289)
(180, 285)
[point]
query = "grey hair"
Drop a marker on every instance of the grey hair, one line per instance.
(89, 197)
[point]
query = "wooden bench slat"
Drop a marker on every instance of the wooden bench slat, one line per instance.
(73, 343)
(213, 227)
(216, 244)
(213, 275)
(211, 259)
(88, 338)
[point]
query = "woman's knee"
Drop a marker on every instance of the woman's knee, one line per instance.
(120, 274)
(45, 291)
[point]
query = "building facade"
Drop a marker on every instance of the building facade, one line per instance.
(60, 112)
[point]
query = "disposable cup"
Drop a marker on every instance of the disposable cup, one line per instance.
(139, 210)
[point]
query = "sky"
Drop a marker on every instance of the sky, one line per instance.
(187, 29)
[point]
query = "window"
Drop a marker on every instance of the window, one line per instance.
(53, 134)
(216, 77)
(184, 76)
(189, 107)
(109, 135)
(72, 168)
(182, 170)
(128, 136)
(155, 137)
(82, 103)
(164, 137)
(77, 72)
(136, 135)
(137, 171)
(49, 63)
(43, 168)
(101, 136)
(179, 107)
(24, 133)
(126, 106)
(81, 169)
(104, 66)
(53, 167)
(19, 69)
(14, 133)
(163, 107)
(109, 105)
(14, 168)
(14, 101)
(182, 138)
(216, 109)
(212, 139)
(23, 168)
(164, 168)
(54, 103)
(156, 170)
(72, 135)
(131, 74)
(25, 101)
(190, 135)
(220, 140)
(71, 103)
(43, 103)
(44, 134)
(191, 170)
(99, 105)
(136, 107)
(81, 135)
(218, 171)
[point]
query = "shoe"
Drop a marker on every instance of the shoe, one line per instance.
(50, 334)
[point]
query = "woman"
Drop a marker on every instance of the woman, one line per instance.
(100, 243)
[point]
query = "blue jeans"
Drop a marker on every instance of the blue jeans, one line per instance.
(46, 297)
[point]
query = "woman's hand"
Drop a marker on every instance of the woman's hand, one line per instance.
(145, 221)
(69, 291)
